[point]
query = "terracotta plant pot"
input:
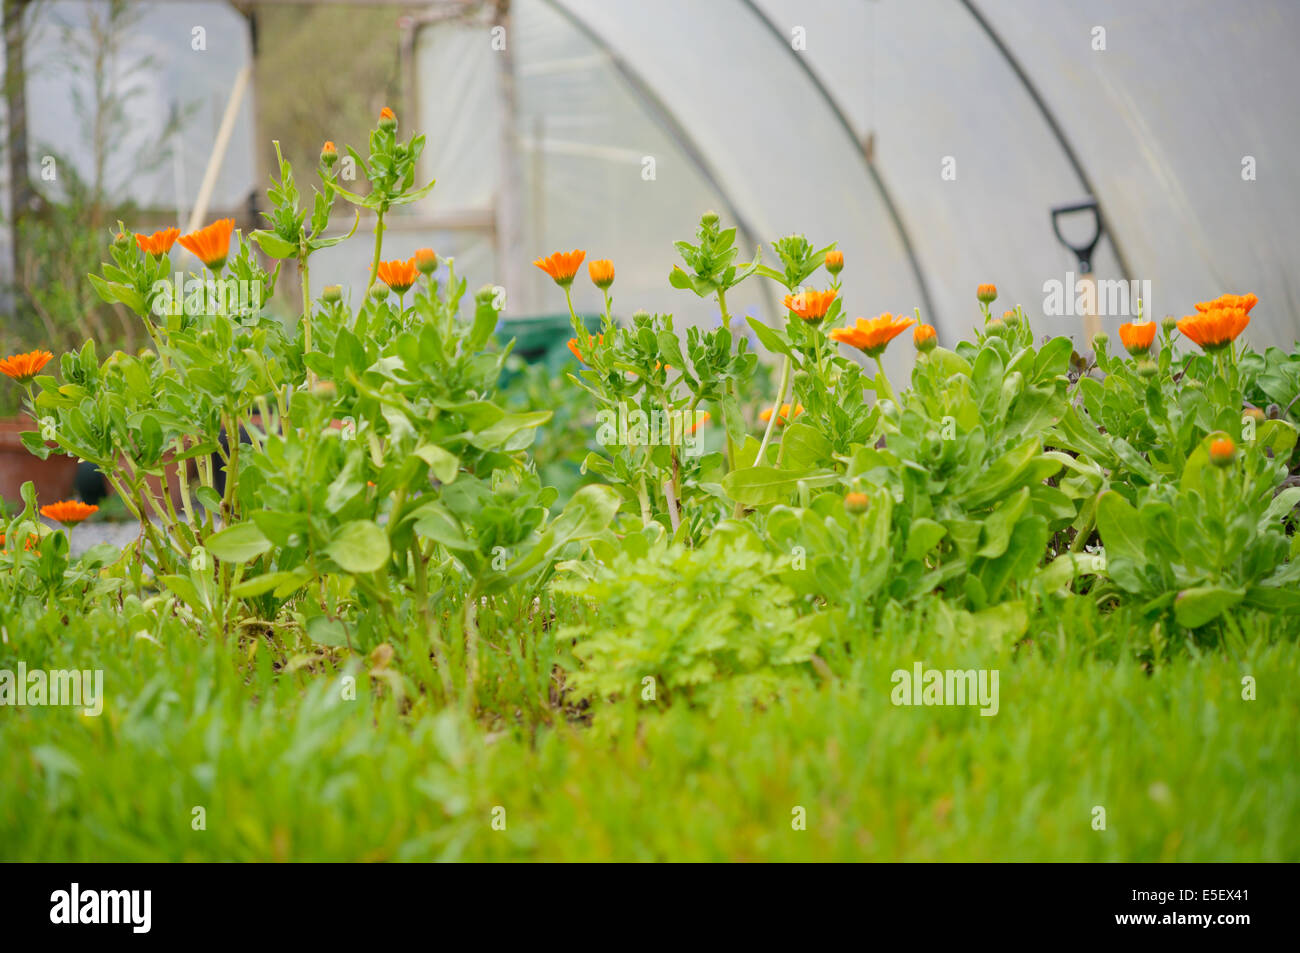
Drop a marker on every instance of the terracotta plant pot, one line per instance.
(55, 478)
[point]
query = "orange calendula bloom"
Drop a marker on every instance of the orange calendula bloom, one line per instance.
(1137, 338)
(811, 305)
(159, 243)
(873, 336)
(386, 115)
(211, 245)
(700, 421)
(32, 542)
(426, 260)
(786, 414)
(1245, 302)
(1215, 328)
(562, 266)
(329, 153)
(602, 272)
(925, 337)
(68, 512)
(1222, 451)
(398, 275)
(592, 341)
(23, 367)
(987, 293)
(834, 261)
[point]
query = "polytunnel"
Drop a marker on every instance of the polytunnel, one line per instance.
(930, 138)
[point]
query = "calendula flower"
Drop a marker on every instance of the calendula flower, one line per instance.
(159, 243)
(1222, 451)
(387, 119)
(329, 153)
(426, 261)
(592, 342)
(834, 261)
(69, 512)
(856, 502)
(786, 414)
(925, 337)
(1245, 302)
(987, 294)
(811, 305)
(562, 266)
(398, 275)
(873, 336)
(23, 367)
(602, 273)
(211, 245)
(1216, 328)
(1137, 338)
(32, 542)
(700, 421)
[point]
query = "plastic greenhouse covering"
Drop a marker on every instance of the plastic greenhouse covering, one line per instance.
(930, 138)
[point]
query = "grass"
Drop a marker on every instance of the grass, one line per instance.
(286, 768)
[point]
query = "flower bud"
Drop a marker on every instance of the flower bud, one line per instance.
(332, 294)
(1222, 451)
(709, 218)
(379, 291)
(329, 154)
(987, 294)
(387, 119)
(856, 503)
(925, 338)
(1148, 369)
(426, 260)
(834, 261)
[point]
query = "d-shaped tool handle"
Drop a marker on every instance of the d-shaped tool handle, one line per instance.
(1082, 252)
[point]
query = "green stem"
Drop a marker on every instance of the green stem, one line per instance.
(883, 390)
(379, 244)
(776, 410)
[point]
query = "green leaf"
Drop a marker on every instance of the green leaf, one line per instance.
(1195, 607)
(359, 546)
(805, 446)
(771, 338)
(273, 245)
(238, 543)
(755, 486)
(444, 464)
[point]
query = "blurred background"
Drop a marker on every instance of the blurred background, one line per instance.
(931, 138)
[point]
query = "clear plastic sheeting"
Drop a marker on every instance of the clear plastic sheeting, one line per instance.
(884, 125)
(170, 78)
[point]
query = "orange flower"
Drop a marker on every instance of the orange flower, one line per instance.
(856, 502)
(873, 336)
(602, 273)
(1137, 338)
(212, 244)
(987, 294)
(786, 414)
(329, 153)
(811, 305)
(159, 243)
(68, 512)
(925, 337)
(592, 341)
(700, 421)
(1215, 328)
(1245, 302)
(834, 261)
(1222, 451)
(23, 367)
(426, 260)
(562, 266)
(398, 275)
(32, 542)
(387, 117)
